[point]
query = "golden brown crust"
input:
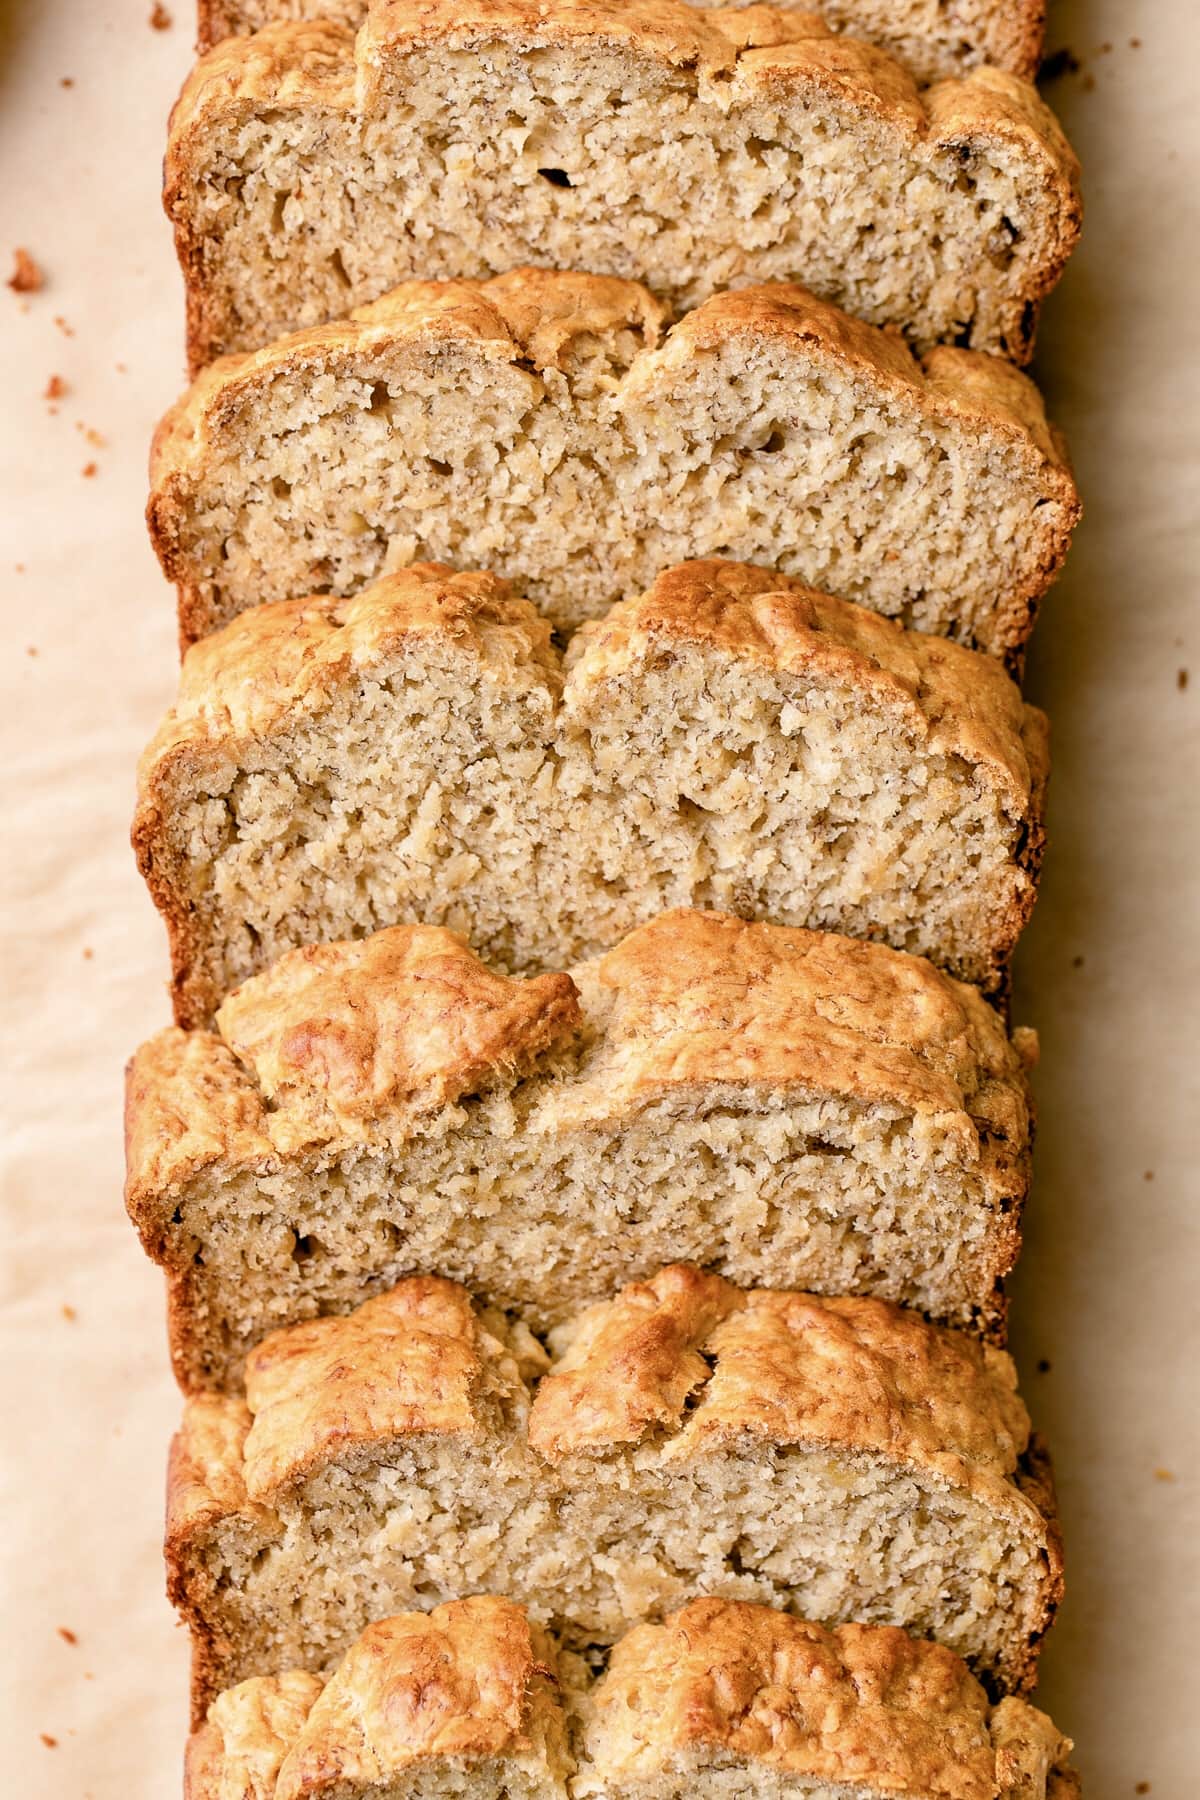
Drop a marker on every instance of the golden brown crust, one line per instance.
(785, 57)
(458, 1683)
(238, 1752)
(531, 315)
(722, 1683)
(407, 1363)
(353, 1037)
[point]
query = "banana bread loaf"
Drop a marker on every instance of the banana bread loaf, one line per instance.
(731, 739)
(549, 427)
(722, 1699)
(309, 171)
(792, 1108)
(839, 1457)
(929, 42)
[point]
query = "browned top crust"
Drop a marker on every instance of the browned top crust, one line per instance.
(533, 315)
(960, 700)
(686, 1360)
(341, 1037)
(703, 997)
(722, 1682)
(469, 1681)
(351, 1041)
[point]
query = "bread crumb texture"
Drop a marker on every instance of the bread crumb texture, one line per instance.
(309, 170)
(847, 1460)
(720, 1700)
(422, 753)
(793, 1108)
(555, 428)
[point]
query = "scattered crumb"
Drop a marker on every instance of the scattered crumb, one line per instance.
(66, 81)
(1044, 1365)
(1141, 1787)
(1149, 1175)
(160, 18)
(56, 387)
(51, 1743)
(67, 330)
(1105, 49)
(88, 953)
(120, 368)
(95, 438)
(67, 1635)
(1164, 1475)
(1077, 962)
(19, 568)
(1136, 44)
(1181, 680)
(1058, 64)
(69, 1313)
(27, 277)
(1088, 84)
(31, 649)
(90, 469)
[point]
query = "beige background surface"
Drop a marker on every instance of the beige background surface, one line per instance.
(1110, 971)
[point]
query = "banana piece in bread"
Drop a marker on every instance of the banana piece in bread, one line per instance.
(721, 1700)
(309, 170)
(550, 427)
(791, 1108)
(839, 1457)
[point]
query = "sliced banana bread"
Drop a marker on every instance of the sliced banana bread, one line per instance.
(723, 1699)
(839, 1457)
(548, 426)
(792, 1108)
(729, 739)
(929, 41)
(309, 171)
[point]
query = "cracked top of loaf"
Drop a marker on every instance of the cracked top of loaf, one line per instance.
(532, 316)
(278, 662)
(358, 1041)
(718, 1684)
(686, 1362)
(469, 1681)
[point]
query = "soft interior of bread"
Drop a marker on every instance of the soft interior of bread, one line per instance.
(582, 486)
(772, 1190)
(596, 1546)
(430, 792)
(300, 216)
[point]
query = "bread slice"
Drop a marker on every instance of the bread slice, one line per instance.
(722, 1699)
(550, 427)
(847, 1461)
(309, 171)
(792, 1108)
(930, 43)
(731, 738)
